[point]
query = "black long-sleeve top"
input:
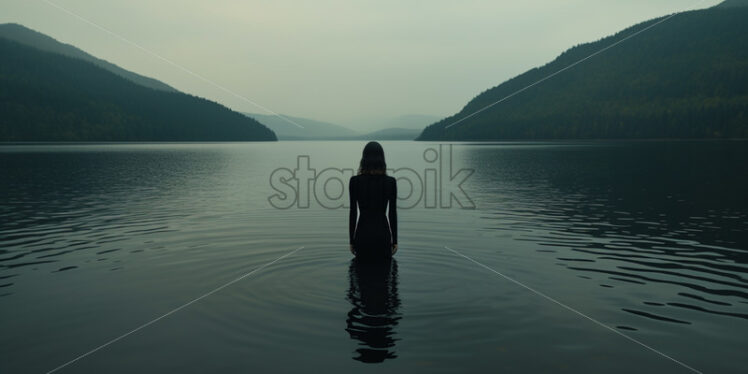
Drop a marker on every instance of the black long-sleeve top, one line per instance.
(372, 195)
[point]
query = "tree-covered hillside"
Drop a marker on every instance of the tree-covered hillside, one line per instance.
(31, 38)
(49, 97)
(684, 78)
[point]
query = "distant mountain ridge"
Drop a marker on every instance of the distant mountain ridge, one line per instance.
(296, 128)
(318, 130)
(392, 133)
(404, 121)
(46, 96)
(35, 39)
(684, 78)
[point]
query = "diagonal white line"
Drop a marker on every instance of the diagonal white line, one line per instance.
(571, 309)
(172, 311)
(569, 66)
(170, 62)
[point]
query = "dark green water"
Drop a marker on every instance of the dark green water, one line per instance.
(648, 238)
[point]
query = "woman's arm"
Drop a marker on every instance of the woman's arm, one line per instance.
(392, 210)
(353, 212)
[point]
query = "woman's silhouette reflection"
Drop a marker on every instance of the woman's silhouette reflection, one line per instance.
(373, 317)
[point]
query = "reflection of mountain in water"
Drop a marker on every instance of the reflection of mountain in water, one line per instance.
(374, 313)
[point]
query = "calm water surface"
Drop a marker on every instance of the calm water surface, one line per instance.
(648, 238)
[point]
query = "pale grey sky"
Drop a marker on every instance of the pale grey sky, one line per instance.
(340, 61)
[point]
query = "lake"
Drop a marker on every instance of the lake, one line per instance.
(559, 256)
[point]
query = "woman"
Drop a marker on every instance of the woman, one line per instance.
(371, 192)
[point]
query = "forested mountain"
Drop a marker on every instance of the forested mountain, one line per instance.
(732, 3)
(31, 38)
(684, 78)
(46, 96)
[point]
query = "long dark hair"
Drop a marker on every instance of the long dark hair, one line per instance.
(372, 160)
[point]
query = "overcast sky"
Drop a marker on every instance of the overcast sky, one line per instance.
(341, 61)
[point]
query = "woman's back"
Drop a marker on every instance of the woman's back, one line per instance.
(375, 233)
(373, 191)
